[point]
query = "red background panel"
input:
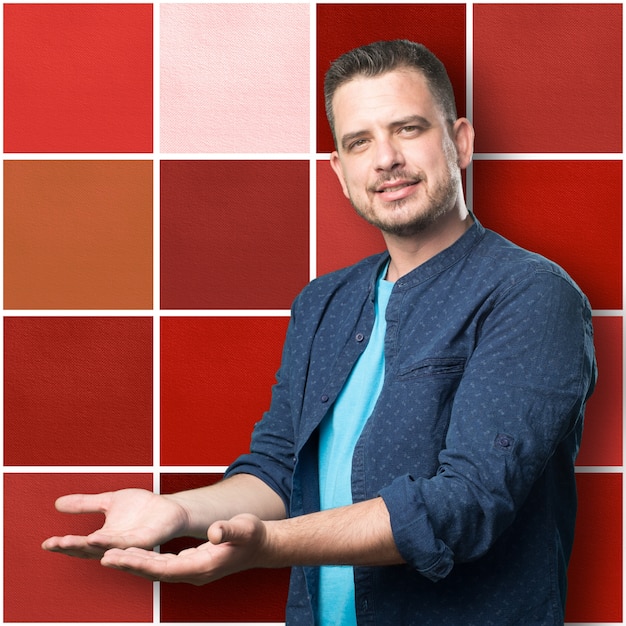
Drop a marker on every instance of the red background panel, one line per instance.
(216, 378)
(78, 77)
(252, 596)
(341, 27)
(602, 437)
(78, 391)
(548, 77)
(569, 211)
(234, 234)
(595, 572)
(41, 586)
(343, 237)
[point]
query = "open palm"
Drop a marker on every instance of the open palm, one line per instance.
(133, 518)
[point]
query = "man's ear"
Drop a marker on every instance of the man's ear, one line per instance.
(463, 137)
(335, 163)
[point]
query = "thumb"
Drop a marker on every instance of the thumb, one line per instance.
(236, 530)
(82, 503)
(215, 533)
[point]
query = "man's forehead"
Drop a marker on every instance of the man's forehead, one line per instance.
(401, 89)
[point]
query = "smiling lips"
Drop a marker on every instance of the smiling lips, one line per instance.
(396, 189)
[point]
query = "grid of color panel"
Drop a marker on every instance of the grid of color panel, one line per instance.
(167, 193)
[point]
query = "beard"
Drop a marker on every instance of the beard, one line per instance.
(409, 216)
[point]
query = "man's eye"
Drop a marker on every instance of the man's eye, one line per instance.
(357, 144)
(410, 130)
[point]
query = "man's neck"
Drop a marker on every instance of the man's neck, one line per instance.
(410, 252)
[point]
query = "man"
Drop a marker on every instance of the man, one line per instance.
(416, 465)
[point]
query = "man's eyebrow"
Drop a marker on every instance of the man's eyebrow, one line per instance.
(348, 138)
(411, 120)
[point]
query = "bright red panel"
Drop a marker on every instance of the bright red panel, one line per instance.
(41, 586)
(253, 596)
(78, 391)
(341, 27)
(234, 235)
(602, 437)
(569, 211)
(216, 378)
(343, 237)
(78, 78)
(595, 572)
(548, 77)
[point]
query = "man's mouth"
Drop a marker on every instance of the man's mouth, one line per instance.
(396, 189)
(395, 186)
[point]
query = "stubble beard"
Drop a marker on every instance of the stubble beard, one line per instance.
(437, 202)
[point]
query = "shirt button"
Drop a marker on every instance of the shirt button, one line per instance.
(359, 337)
(324, 398)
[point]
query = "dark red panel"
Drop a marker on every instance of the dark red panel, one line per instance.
(78, 391)
(216, 378)
(595, 573)
(569, 211)
(341, 27)
(44, 587)
(234, 234)
(253, 596)
(548, 77)
(602, 436)
(78, 77)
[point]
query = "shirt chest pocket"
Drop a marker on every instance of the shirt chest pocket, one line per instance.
(432, 367)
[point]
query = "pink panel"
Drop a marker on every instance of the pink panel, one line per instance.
(234, 77)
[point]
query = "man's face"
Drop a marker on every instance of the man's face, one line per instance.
(396, 158)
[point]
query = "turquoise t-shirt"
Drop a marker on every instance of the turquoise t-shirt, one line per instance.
(339, 433)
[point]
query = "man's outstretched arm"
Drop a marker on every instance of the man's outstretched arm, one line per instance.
(138, 518)
(359, 534)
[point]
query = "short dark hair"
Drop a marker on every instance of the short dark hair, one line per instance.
(384, 56)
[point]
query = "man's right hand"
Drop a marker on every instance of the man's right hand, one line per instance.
(134, 518)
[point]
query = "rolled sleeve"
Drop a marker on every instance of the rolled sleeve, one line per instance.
(521, 397)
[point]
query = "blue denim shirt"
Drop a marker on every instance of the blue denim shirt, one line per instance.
(489, 362)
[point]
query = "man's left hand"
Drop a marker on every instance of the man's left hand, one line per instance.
(234, 545)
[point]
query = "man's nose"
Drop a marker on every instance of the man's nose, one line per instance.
(388, 155)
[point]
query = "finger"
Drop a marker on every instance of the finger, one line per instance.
(81, 503)
(72, 545)
(143, 563)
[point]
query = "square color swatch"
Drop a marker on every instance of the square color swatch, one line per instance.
(78, 234)
(548, 77)
(78, 77)
(569, 211)
(235, 77)
(265, 591)
(340, 27)
(234, 234)
(343, 237)
(594, 591)
(216, 379)
(41, 587)
(77, 391)
(602, 434)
